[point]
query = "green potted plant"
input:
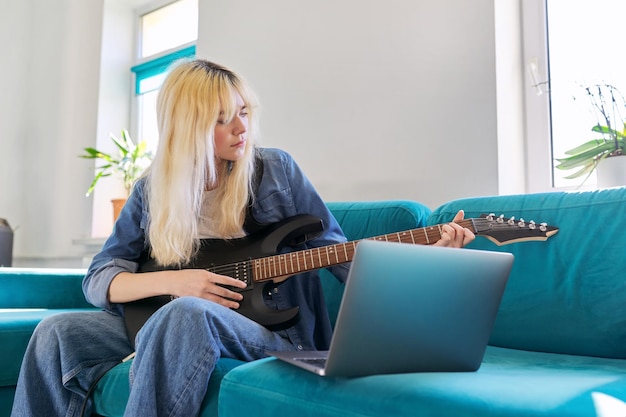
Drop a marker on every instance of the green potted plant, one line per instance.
(608, 104)
(130, 162)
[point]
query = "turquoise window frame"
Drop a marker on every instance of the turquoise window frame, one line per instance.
(149, 75)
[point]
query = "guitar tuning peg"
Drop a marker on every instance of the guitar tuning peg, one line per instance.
(521, 222)
(491, 216)
(501, 218)
(511, 221)
(532, 225)
(543, 226)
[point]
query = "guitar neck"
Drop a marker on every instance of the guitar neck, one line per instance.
(264, 269)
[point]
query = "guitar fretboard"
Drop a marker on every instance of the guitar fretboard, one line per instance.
(271, 267)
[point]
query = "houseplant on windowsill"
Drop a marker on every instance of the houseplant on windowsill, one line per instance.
(129, 163)
(601, 153)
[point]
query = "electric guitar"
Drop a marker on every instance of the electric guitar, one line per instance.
(257, 260)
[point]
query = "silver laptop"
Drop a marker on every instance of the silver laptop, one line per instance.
(412, 308)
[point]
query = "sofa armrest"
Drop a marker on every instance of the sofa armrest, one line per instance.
(51, 288)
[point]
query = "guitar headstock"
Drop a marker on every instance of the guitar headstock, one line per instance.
(503, 231)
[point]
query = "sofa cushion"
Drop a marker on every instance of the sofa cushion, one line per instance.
(16, 328)
(111, 393)
(567, 294)
(6, 400)
(509, 383)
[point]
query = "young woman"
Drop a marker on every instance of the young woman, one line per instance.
(208, 180)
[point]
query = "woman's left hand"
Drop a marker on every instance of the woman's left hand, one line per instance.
(454, 235)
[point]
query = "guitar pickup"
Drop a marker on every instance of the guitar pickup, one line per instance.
(238, 270)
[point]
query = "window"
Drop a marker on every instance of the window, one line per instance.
(167, 33)
(579, 46)
(168, 27)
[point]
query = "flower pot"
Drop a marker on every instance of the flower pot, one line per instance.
(611, 172)
(118, 204)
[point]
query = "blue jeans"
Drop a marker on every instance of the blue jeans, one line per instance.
(177, 350)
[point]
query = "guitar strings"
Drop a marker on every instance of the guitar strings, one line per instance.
(270, 266)
(306, 259)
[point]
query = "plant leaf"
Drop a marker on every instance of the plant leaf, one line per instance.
(605, 130)
(584, 157)
(592, 144)
(132, 160)
(585, 170)
(121, 145)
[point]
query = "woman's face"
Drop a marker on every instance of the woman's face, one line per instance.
(230, 136)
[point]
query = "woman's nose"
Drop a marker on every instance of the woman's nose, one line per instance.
(239, 125)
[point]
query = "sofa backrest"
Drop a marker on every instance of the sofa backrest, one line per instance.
(567, 294)
(41, 288)
(360, 220)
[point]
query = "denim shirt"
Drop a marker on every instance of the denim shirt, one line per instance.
(283, 192)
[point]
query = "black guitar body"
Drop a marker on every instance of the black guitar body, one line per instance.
(232, 258)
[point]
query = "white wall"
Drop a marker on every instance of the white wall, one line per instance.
(114, 106)
(375, 99)
(48, 107)
(512, 150)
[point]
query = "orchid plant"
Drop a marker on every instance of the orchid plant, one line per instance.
(609, 106)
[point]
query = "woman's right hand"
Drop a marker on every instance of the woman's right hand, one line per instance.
(208, 285)
(127, 286)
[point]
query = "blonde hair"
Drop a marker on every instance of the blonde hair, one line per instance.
(193, 97)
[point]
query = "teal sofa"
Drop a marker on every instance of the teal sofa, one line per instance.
(26, 297)
(558, 347)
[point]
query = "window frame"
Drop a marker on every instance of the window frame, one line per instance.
(144, 67)
(539, 161)
(158, 64)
